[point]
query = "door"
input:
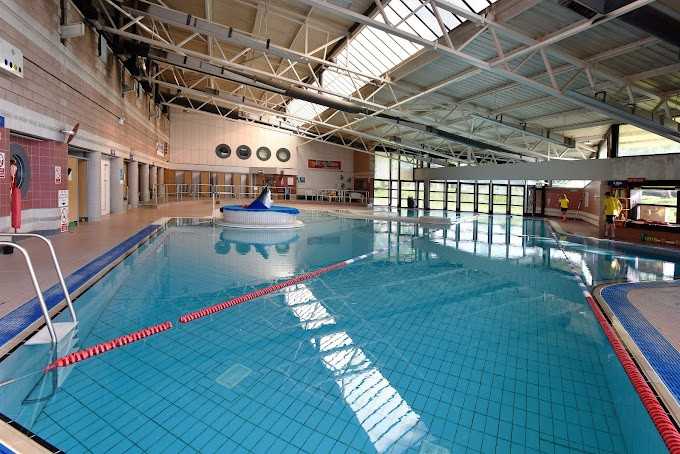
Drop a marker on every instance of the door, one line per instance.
(106, 187)
(72, 188)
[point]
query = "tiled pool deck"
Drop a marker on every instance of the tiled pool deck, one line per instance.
(647, 316)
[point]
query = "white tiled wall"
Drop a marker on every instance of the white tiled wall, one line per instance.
(193, 138)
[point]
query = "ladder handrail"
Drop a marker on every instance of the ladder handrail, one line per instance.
(41, 300)
(57, 267)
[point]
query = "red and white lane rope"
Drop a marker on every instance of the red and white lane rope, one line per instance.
(191, 316)
(667, 429)
(103, 347)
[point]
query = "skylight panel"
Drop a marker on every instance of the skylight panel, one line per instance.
(374, 52)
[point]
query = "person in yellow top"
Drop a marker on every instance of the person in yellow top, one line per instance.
(612, 207)
(564, 206)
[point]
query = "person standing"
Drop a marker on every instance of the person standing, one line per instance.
(564, 206)
(612, 207)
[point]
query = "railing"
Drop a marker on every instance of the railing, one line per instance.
(38, 292)
(57, 267)
(178, 192)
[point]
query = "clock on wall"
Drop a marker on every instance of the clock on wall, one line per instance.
(243, 152)
(263, 153)
(283, 154)
(223, 151)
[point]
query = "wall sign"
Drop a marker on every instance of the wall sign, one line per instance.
(2, 164)
(223, 151)
(57, 174)
(283, 154)
(319, 164)
(263, 153)
(62, 198)
(243, 152)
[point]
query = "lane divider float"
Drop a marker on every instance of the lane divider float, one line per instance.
(98, 349)
(191, 316)
(103, 347)
(664, 425)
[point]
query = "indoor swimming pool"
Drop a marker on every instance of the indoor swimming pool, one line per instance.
(473, 337)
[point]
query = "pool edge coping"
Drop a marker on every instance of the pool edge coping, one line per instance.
(13, 434)
(665, 395)
(653, 405)
(28, 330)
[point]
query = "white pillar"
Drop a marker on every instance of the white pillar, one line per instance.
(144, 182)
(154, 182)
(94, 186)
(161, 184)
(116, 180)
(133, 184)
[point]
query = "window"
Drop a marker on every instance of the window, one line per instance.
(634, 141)
(408, 189)
(482, 198)
(452, 196)
(437, 195)
(467, 197)
(659, 205)
(381, 193)
(373, 52)
(517, 200)
(500, 198)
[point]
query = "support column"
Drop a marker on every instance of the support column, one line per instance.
(604, 188)
(426, 195)
(133, 184)
(116, 181)
(94, 186)
(154, 182)
(144, 182)
(161, 184)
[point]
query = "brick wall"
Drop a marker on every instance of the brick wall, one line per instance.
(68, 83)
(43, 156)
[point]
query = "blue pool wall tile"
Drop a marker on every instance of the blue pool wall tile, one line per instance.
(13, 323)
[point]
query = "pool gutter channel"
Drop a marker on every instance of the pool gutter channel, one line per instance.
(14, 435)
(639, 366)
(665, 396)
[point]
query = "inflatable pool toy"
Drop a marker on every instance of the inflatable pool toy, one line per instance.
(260, 214)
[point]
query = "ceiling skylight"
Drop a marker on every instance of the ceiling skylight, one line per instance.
(374, 52)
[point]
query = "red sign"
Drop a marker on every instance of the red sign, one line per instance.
(317, 164)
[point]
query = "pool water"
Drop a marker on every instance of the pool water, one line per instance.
(474, 338)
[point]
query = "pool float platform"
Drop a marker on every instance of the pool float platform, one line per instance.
(260, 214)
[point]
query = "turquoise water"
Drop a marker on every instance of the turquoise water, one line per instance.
(475, 338)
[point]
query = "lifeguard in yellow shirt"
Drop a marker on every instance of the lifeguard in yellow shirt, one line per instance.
(564, 206)
(612, 207)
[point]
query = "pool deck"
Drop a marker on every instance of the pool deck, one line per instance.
(646, 316)
(90, 240)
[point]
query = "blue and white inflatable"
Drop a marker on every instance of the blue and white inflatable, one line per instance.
(260, 214)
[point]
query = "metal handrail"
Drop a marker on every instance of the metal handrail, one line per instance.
(38, 292)
(57, 267)
(180, 191)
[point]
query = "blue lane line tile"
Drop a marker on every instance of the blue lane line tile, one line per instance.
(660, 353)
(23, 316)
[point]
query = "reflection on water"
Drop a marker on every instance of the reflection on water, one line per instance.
(387, 419)
(526, 242)
(190, 266)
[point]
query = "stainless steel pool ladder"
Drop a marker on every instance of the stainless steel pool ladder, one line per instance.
(36, 285)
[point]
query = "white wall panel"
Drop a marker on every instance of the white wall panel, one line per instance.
(194, 136)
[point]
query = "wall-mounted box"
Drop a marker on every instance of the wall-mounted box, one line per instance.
(11, 59)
